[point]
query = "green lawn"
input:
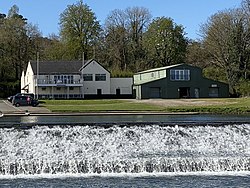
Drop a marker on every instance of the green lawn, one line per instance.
(223, 106)
(220, 106)
(97, 106)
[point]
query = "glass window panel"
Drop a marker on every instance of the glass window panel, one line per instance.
(180, 74)
(100, 77)
(87, 77)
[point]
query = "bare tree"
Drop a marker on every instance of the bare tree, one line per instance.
(226, 38)
(124, 33)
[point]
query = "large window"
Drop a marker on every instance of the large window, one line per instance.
(63, 79)
(100, 77)
(87, 77)
(179, 74)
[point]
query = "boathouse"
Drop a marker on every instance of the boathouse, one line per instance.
(177, 81)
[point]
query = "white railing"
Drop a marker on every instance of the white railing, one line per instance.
(44, 81)
(60, 96)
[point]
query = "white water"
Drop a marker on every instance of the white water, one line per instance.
(134, 150)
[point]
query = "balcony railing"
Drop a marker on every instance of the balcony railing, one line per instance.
(60, 96)
(58, 82)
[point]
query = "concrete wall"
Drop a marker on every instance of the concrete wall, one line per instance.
(124, 84)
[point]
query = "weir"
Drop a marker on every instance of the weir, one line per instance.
(124, 149)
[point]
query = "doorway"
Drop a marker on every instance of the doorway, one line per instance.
(213, 92)
(99, 92)
(155, 92)
(197, 92)
(118, 92)
(184, 92)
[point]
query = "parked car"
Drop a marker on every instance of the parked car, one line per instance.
(23, 100)
(10, 98)
(26, 94)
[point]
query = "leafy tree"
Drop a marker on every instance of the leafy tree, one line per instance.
(79, 29)
(165, 42)
(226, 39)
(17, 47)
(54, 49)
(12, 36)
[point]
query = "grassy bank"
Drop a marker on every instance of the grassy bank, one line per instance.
(217, 106)
(220, 106)
(98, 106)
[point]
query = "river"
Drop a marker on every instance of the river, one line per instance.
(125, 151)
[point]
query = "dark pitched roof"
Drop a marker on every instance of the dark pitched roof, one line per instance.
(58, 67)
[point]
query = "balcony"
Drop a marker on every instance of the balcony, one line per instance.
(65, 82)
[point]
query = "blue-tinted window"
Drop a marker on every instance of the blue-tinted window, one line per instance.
(179, 75)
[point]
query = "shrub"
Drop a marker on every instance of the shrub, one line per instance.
(243, 88)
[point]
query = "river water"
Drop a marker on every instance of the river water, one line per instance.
(125, 151)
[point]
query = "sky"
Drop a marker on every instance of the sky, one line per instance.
(191, 14)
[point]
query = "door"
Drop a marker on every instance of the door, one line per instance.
(118, 92)
(99, 92)
(155, 92)
(197, 93)
(184, 92)
(213, 92)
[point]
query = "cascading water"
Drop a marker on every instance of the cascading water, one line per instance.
(124, 149)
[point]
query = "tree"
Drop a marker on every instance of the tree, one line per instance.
(165, 42)
(197, 55)
(17, 41)
(226, 39)
(245, 65)
(79, 29)
(117, 40)
(124, 32)
(138, 19)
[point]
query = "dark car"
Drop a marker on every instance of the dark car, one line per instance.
(10, 98)
(23, 100)
(26, 94)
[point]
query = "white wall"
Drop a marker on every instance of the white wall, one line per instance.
(90, 87)
(22, 81)
(124, 84)
(29, 79)
(149, 76)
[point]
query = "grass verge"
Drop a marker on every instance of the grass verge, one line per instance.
(97, 106)
(216, 106)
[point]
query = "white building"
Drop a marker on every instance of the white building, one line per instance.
(73, 79)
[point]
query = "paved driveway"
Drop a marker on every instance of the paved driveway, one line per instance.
(7, 107)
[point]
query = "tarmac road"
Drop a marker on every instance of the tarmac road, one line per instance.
(7, 107)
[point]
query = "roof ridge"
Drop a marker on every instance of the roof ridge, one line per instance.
(160, 68)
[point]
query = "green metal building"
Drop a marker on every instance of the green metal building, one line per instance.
(177, 81)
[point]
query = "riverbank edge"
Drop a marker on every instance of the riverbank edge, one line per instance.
(27, 113)
(184, 107)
